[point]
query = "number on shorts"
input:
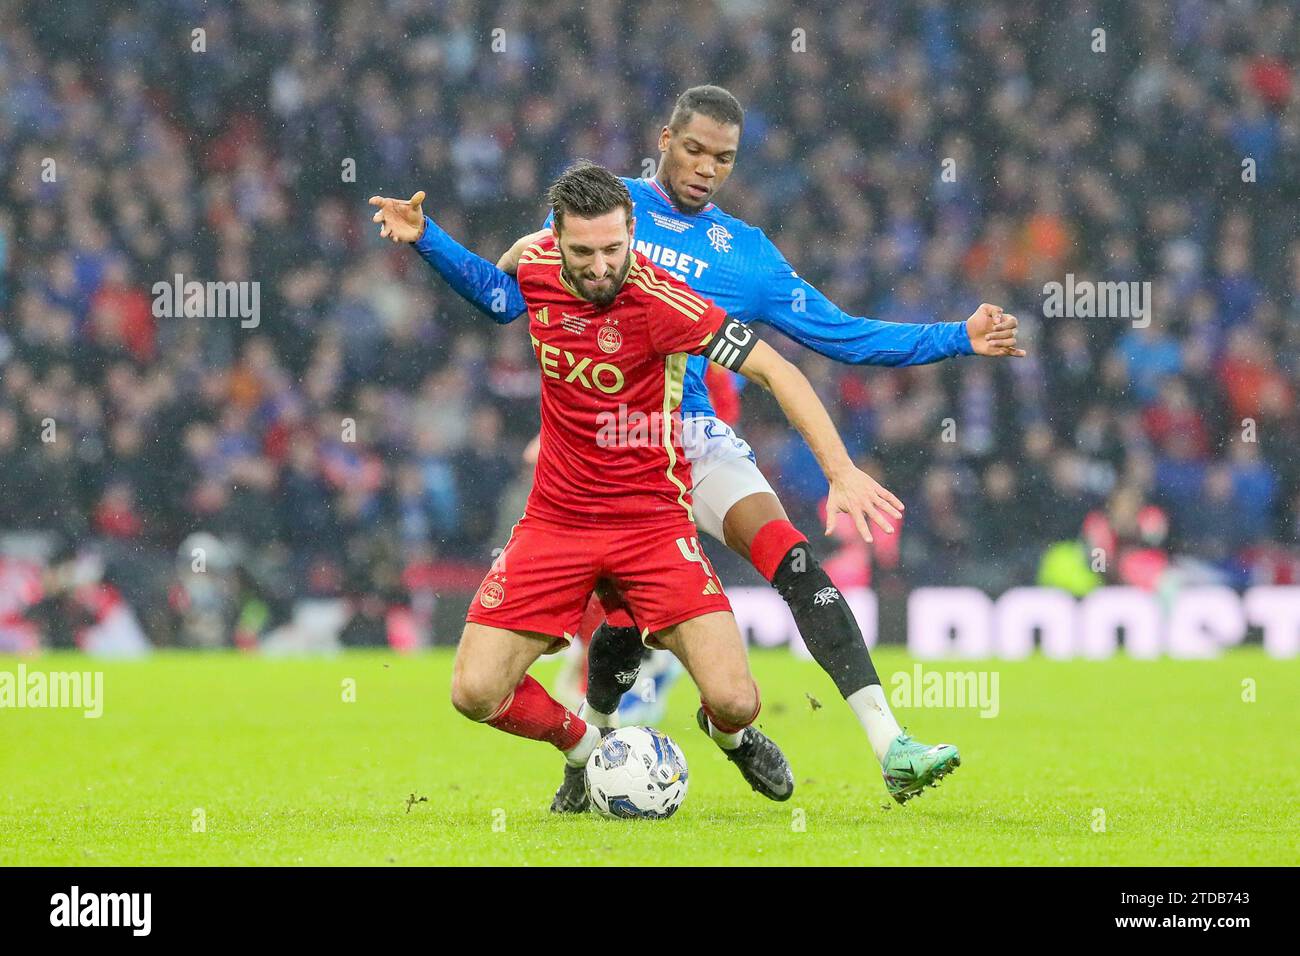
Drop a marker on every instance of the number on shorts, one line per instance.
(691, 551)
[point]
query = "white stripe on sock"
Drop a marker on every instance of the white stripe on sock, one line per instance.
(877, 719)
(592, 716)
(725, 740)
(577, 754)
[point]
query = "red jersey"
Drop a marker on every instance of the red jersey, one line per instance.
(611, 384)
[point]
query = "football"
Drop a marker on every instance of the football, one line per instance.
(637, 773)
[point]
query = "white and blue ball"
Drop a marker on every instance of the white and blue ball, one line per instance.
(636, 773)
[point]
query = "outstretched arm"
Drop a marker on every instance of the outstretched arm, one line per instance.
(474, 279)
(796, 308)
(852, 491)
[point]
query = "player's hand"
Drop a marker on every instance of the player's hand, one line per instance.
(860, 496)
(993, 332)
(400, 220)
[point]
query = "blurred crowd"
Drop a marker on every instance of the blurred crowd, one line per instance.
(364, 437)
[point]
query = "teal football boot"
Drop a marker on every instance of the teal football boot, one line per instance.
(910, 766)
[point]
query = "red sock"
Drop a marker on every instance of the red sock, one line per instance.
(770, 546)
(531, 712)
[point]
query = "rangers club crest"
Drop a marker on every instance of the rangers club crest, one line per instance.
(609, 339)
(826, 596)
(719, 238)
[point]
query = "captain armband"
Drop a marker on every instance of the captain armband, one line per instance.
(732, 344)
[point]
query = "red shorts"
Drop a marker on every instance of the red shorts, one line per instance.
(542, 580)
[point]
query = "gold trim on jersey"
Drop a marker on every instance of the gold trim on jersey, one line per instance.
(686, 295)
(535, 253)
(685, 302)
(676, 377)
(666, 300)
(568, 286)
(674, 374)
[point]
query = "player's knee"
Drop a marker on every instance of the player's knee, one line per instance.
(474, 699)
(735, 706)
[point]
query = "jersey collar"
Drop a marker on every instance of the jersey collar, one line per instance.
(568, 286)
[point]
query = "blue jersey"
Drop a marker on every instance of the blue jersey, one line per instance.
(731, 262)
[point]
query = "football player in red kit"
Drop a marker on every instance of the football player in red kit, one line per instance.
(610, 510)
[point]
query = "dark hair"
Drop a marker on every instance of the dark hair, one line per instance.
(587, 190)
(713, 101)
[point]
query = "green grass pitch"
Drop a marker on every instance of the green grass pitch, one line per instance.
(281, 770)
